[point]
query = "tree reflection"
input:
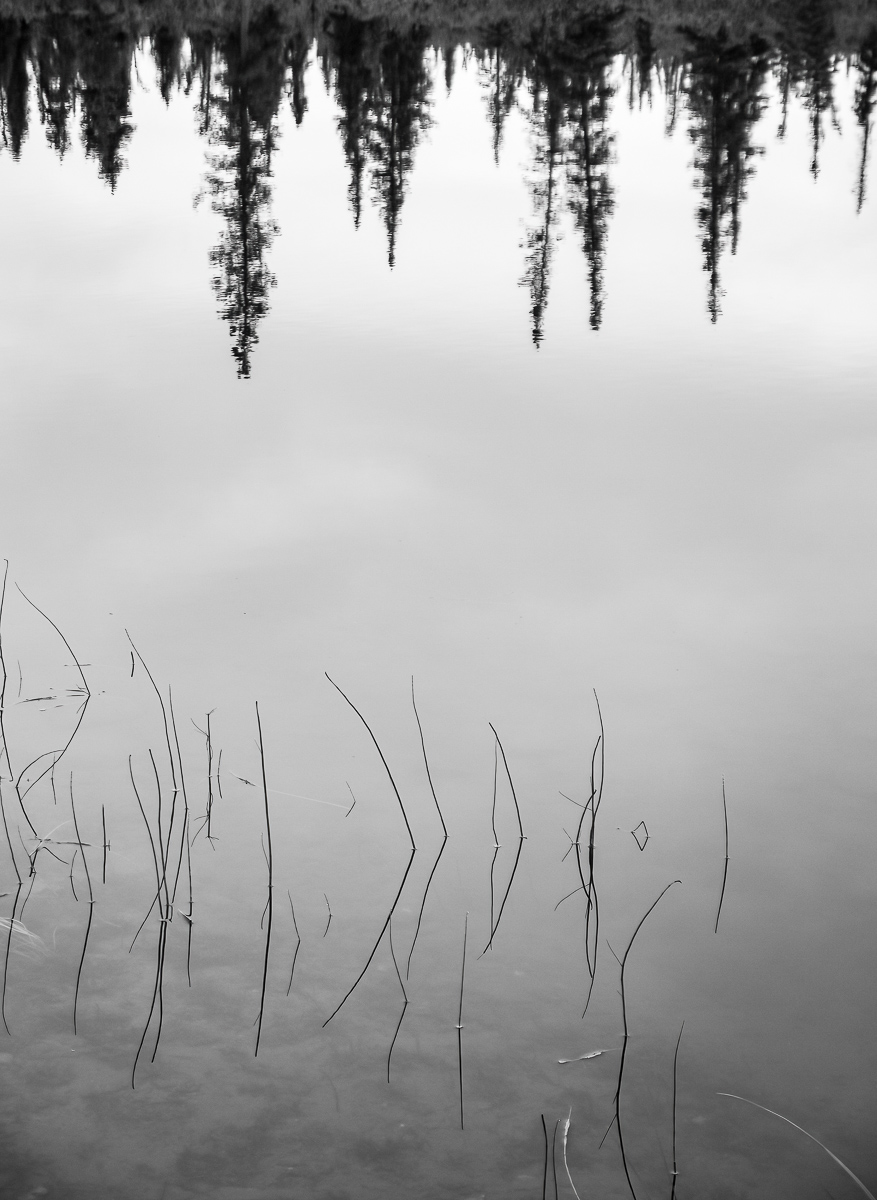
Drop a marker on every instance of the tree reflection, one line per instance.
(807, 65)
(104, 90)
(383, 87)
(591, 197)
(14, 84)
(863, 106)
(547, 128)
(725, 93)
(559, 67)
(571, 91)
(242, 127)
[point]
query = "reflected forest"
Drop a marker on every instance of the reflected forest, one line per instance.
(68, 73)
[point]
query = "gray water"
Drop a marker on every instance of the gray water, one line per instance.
(522, 468)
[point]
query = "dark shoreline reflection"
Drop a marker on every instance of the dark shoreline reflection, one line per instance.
(242, 61)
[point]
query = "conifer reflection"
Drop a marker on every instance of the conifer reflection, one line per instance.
(55, 74)
(725, 94)
(590, 194)
(571, 91)
(863, 106)
(104, 90)
(383, 88)
(807, 66)
(547, 127)
(14, 84)
(242, 124)
(502, 77)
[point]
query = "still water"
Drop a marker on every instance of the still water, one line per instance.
(528, 356)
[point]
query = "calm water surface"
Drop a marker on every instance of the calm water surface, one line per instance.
(528, 358)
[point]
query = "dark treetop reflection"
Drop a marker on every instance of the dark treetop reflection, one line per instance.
(560, 70)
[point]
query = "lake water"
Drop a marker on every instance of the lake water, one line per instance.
(527, 355)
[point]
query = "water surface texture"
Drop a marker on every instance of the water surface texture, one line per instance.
(522, 351)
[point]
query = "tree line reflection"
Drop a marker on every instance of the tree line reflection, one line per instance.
(561, 73)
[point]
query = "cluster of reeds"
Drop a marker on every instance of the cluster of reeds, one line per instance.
(158, 783)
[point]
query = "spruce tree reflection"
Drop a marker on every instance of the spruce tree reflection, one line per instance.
(400, 109)
(547, 126)
(590, 153)
(807, 65)
(863, 106)
(167, 51)
(502, 76)
(243, 129)
(296, 61)
(105, 56)
(14, 83)
(725, 96)
(642, 64)
(382, 86)
(55, 73)
(349, 54)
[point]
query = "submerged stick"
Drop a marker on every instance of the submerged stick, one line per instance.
(374, 950)
(58, 755)
(4, 753)
(675, 1060)
(545, 1169)
(460, 1018)
(404, 997)
(842, 1165)
(185, 842)
(505, 897)
(90, 904)
(6, 956)
(423, 903)
(270, 859)
(106, 844)
(554, 1156)
(380, 752)
(617, 1101)
(297, 944)
(725, 875)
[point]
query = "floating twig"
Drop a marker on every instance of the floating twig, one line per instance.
(353, 798)
(329, 922)
(565, 1163)
(641, 839)
(584, 1057)
(843, 1165)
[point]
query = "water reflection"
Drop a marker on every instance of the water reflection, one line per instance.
(560, 73)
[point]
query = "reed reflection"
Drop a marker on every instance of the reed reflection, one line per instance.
(559, 72)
